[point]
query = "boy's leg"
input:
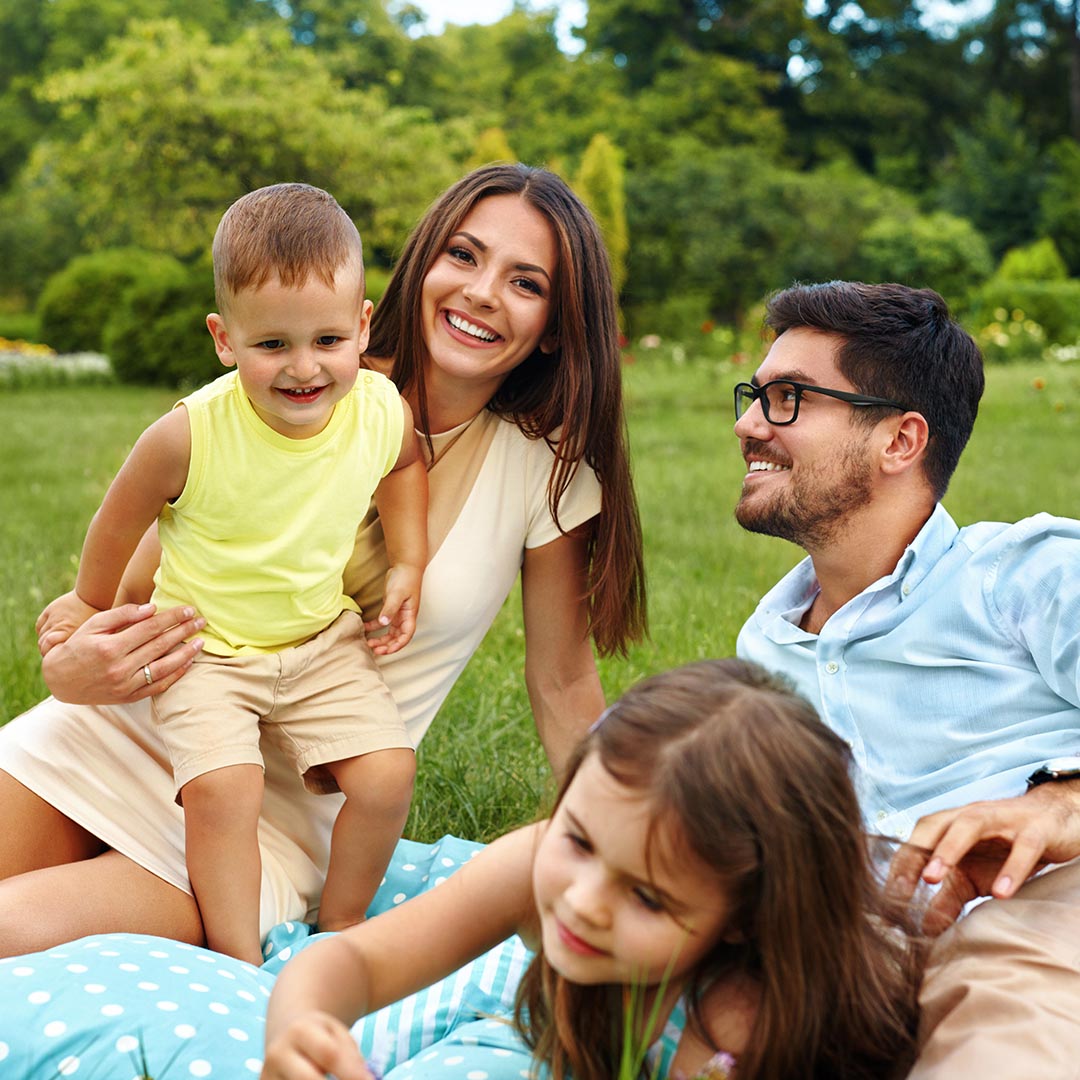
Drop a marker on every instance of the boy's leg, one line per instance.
(221, 829)
(378, 790)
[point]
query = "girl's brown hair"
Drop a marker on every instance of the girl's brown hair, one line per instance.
(757, 788)
(577, 388)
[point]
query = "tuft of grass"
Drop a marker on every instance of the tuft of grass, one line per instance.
(481, 769)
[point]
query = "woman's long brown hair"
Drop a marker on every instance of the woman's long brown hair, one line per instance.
(577, 388)
(742, 772)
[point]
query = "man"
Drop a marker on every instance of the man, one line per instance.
(948, 658)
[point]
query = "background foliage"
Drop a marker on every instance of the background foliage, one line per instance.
(728, 147)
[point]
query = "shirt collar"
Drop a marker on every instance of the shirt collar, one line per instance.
(789, 598)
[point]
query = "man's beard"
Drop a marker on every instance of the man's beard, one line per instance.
(811, 510)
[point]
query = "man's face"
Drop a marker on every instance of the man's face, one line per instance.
(804, 480)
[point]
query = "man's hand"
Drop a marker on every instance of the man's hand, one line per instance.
(987, 848)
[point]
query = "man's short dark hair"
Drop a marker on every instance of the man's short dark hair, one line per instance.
(898, 343)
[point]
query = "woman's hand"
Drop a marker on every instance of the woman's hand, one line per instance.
(312, 1046)
(107, 660)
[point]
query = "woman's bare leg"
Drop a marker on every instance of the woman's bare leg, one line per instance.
(60, 882)
(35, 834)
(108, 894)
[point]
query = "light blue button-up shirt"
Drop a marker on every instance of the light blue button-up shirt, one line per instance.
(954, 677)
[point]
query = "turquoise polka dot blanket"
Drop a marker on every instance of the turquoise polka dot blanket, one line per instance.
(134, 1007)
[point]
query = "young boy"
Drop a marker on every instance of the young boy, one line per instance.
(258, 482)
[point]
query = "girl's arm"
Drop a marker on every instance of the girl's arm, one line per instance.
(560, 669)
(155, 472)
(399, 952)
(402, 500)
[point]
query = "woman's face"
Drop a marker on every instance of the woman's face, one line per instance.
(486, 302)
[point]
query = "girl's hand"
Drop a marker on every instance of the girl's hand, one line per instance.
(104, 661)
(312, 1046)
(398, 615)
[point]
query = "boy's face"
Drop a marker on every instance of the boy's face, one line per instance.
(296, 349)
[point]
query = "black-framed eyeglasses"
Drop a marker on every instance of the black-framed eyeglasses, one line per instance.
(780, 399)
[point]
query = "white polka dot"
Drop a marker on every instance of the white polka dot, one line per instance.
(253, 1065)
(245, 995)
(22, 971)
(456, 1060)
(168, 1006)
(207, 959)
(398, 897)
(430, 1057)
(112, 1010)
(408, 866)
(129, 967)
(184, 945)
(68, 1066)
(54, 1029)
(425, 877)
(149, 986)
(473, 854)
(108, 952)
(476, 1074)
(159, 954)
(525, 1073)
(265, 991)
(238, 1034)
(469, 1040)
(78, 969)
(199, 1067)
(447, 862)
(4, 1050)
(285, 953)
(199, 988)
(217, 1007)
(439, 880)
(39, 997)
(176, 969)
(184, 1031)
(500, 1052)
(226, 974)
(95, 988)
(127, 1044)
(382, 883)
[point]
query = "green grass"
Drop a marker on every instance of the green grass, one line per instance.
(481, 768)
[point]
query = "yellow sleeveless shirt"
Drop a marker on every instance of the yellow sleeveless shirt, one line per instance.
(259, 538)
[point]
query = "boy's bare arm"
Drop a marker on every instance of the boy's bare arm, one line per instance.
(154, 473)
(401, 498)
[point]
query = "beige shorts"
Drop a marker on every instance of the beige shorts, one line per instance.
(322, 701)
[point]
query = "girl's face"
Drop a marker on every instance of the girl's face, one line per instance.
(486, 302)
(608, 913)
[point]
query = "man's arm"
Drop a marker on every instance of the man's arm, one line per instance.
(988, 848)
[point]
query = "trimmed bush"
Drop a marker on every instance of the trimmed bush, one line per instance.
(77, 302)
(1053, 305)
(157, 334)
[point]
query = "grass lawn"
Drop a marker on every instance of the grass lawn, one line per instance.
(481, 768)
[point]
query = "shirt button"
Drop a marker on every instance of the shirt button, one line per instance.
(368, 379)
(882, 815)
(906, 590)
(832, 667)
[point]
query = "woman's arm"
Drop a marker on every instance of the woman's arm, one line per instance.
(560, 669)
(334, 982)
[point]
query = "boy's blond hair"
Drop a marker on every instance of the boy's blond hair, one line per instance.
(290, 231)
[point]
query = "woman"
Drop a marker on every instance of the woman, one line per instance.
(499, 327)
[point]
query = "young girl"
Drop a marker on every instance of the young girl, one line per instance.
(704, 861)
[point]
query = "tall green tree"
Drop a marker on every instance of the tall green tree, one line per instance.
(601, 184)
(167, 128)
